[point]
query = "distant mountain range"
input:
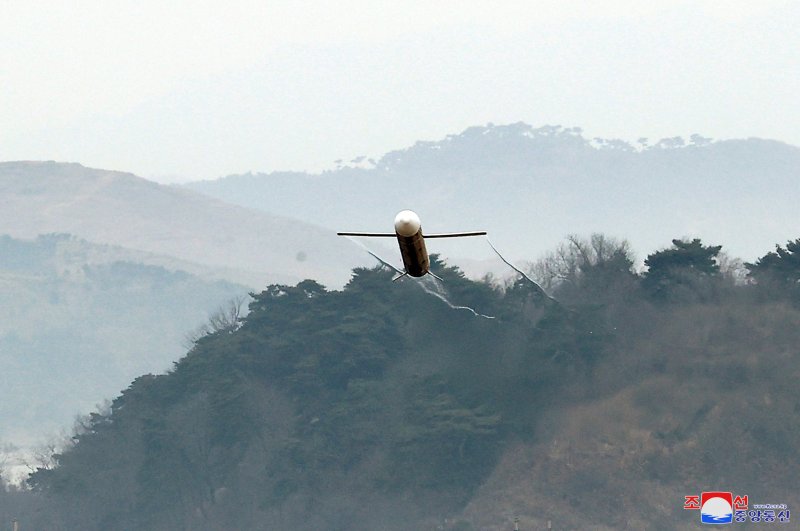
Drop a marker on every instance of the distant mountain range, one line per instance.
(532, 186)
(226, 241)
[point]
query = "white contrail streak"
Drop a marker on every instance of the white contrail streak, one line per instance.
(373, 255)
(442, 297)
(518, 270)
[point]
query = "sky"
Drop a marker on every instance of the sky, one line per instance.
(180, 91)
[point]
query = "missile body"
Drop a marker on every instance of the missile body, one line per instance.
(412, 244)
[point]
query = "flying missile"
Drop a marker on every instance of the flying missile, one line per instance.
(408, 231)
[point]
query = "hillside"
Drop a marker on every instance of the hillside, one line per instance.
(380, 407)
(106, 207)
(547, 182)
(79, 321)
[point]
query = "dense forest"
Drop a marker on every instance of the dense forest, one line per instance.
(394, 406)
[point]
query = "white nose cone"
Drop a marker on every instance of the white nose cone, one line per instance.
(406, 223)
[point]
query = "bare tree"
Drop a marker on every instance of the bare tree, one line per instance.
(227, 319)
(43, 457)
(732, 269)
(576, 255)
(7, 451)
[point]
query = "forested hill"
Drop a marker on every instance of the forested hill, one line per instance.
(382, 407)
(548, 182)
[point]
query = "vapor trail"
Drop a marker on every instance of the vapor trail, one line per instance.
(443, 298)
(373, 255)
(518, 270)
(420, 282)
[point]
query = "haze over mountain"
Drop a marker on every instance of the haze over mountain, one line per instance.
(110, 207)
(547, 182)
(78, 321)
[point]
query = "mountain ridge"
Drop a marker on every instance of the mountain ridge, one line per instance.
(111, 207)
(549, 182)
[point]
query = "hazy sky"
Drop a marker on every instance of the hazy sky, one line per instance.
(188, 90)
